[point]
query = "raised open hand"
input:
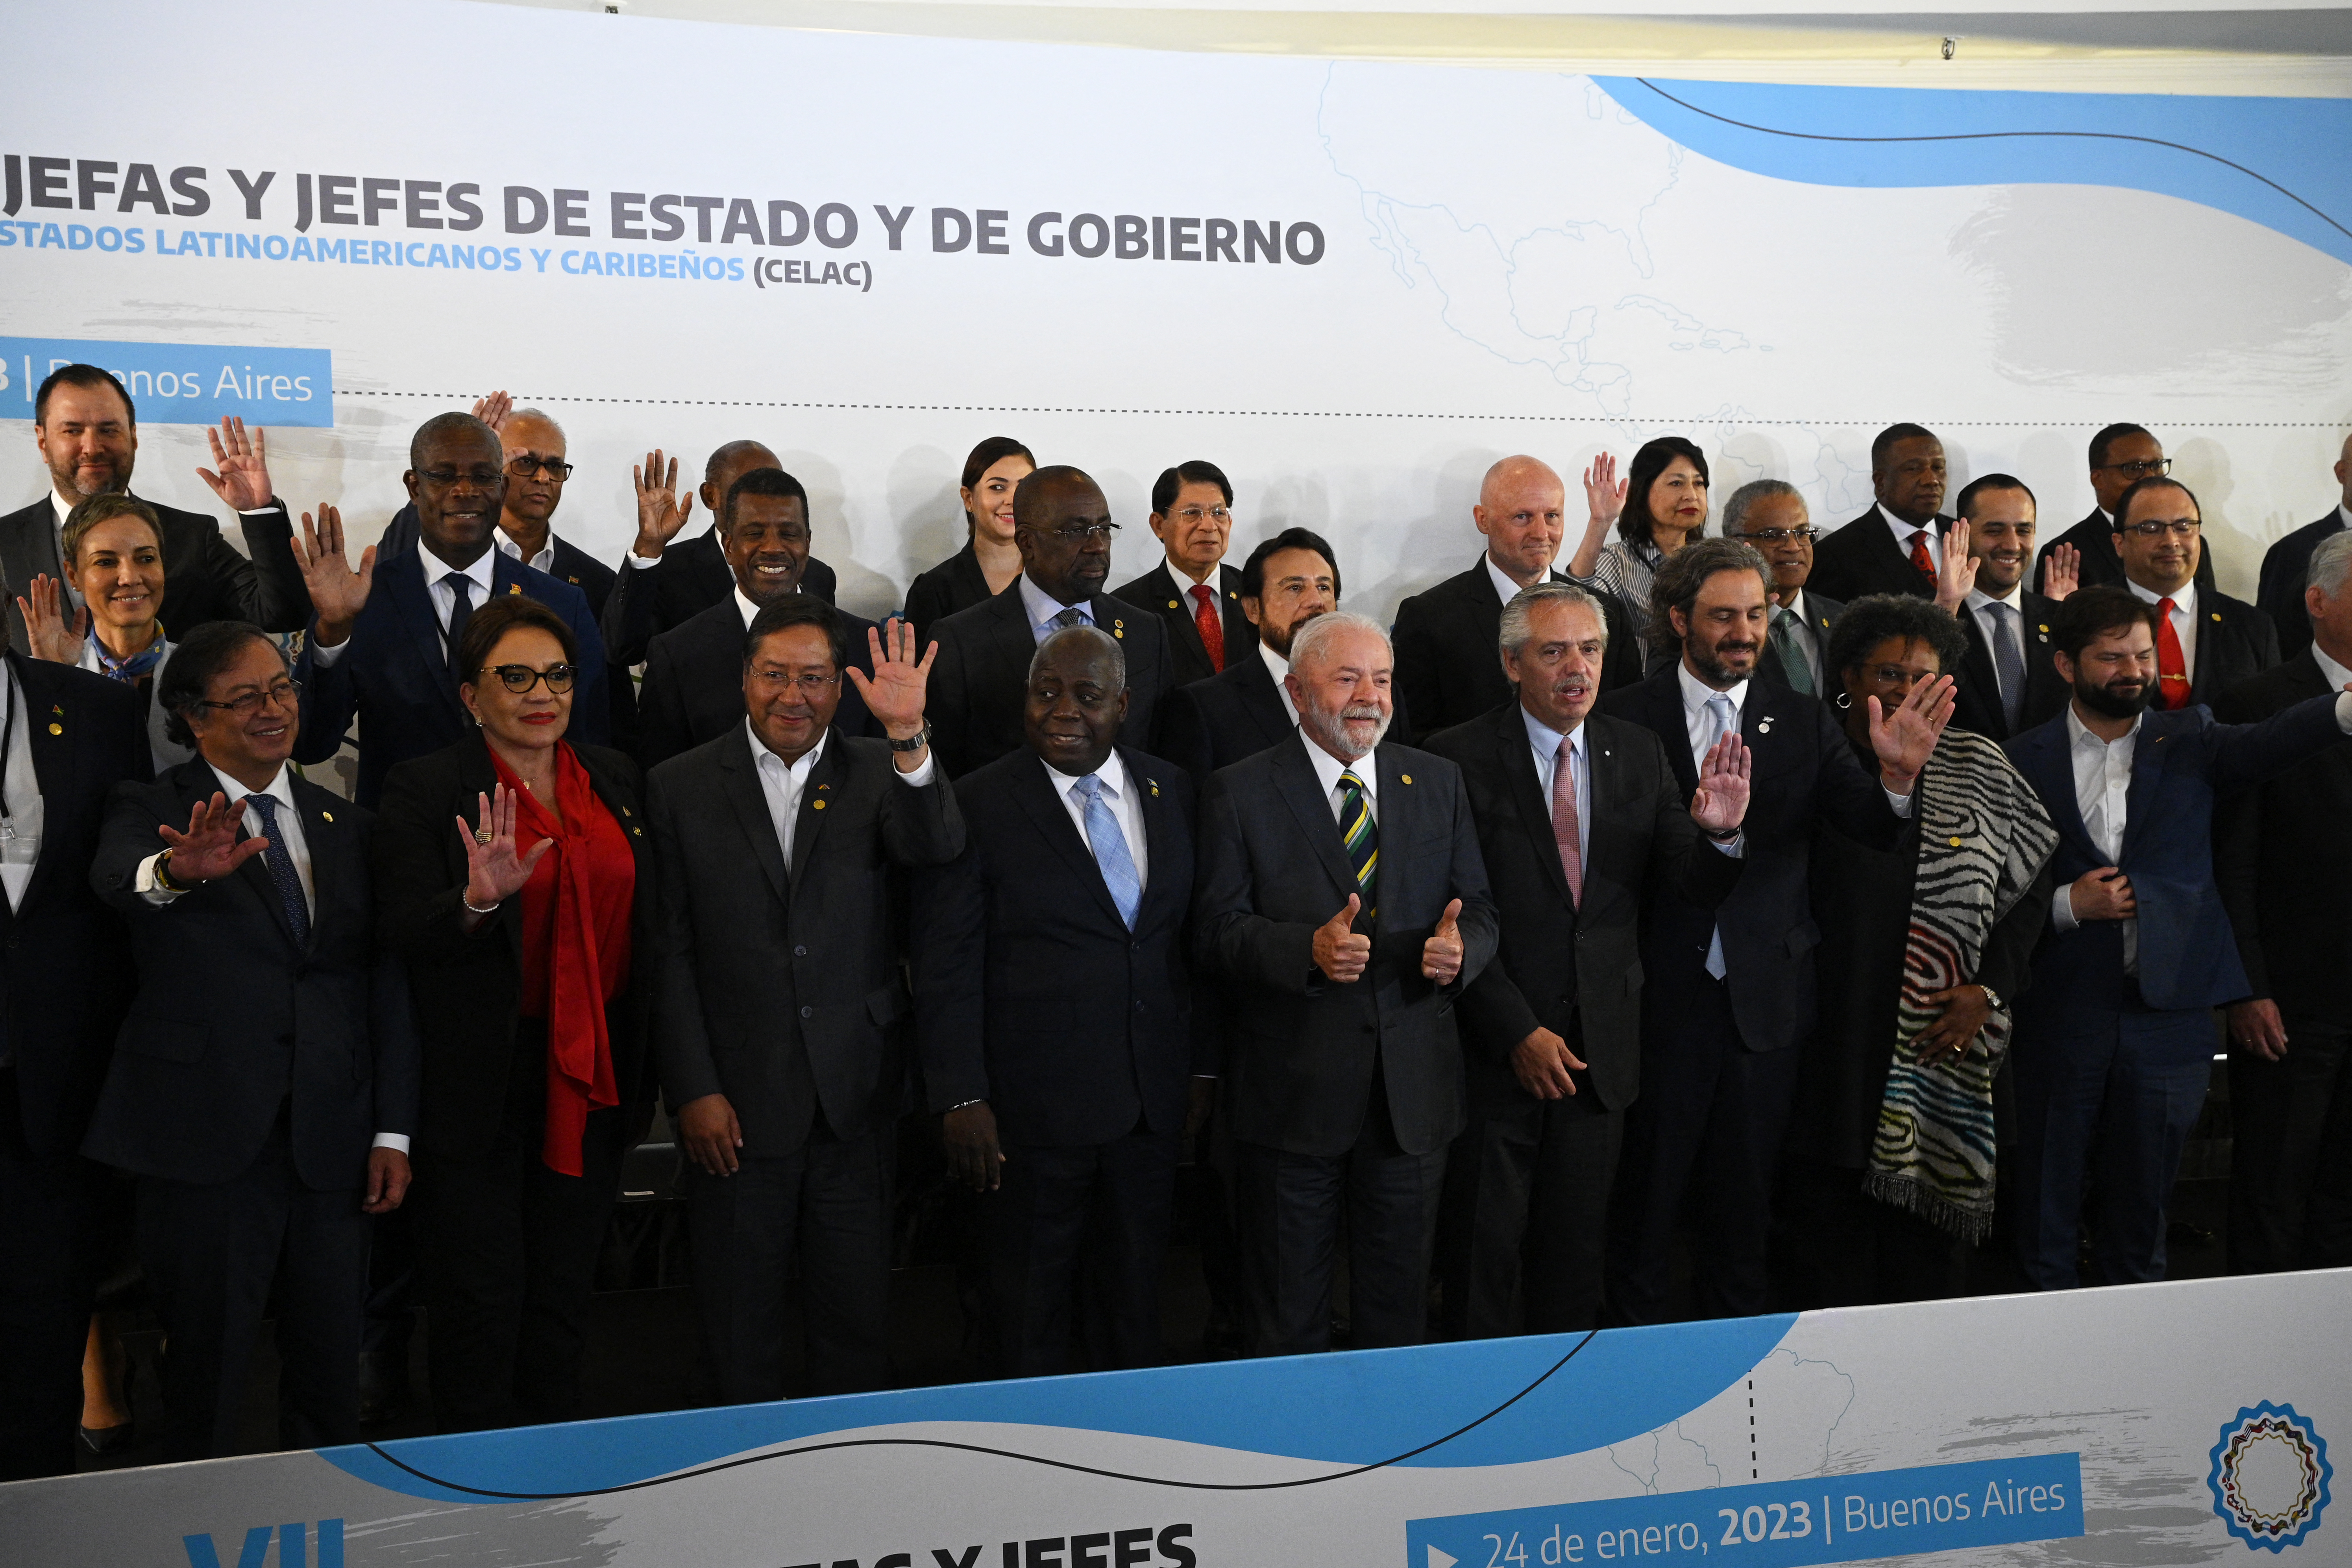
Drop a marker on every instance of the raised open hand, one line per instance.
(2061, 574)
(493, 410)
(1956, 577)
(494, 871)
(337, 592)
(662, 508)
(53, 637)
(1720, 803)
(1441, 955)
(893, 692)
(1604, 492)
(1905, 739)
(210, 849)
(1340, 951)
(243, 480)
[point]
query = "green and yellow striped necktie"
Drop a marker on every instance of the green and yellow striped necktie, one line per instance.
(1362, 836)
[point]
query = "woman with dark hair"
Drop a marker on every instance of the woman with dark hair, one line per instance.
(1660, 507)
(990, 560)
(1890, 1159)
(518, 928)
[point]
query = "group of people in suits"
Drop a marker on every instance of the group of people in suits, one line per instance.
(1575, 923)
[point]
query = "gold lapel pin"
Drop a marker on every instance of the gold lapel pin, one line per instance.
(326, 817)
(1954, 841)
(1172, 603)
(1407, 778)
(56, 728)
(515, 591)
(817, 804)
(2217, 614)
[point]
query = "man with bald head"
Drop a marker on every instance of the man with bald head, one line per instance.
(1063, 527)
(1343, 1074)
(2286, 565)
(1447, 672)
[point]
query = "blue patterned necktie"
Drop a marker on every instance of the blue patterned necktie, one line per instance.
(1109, 845)
(1362, 836)
(1723, 719)
(282, 875)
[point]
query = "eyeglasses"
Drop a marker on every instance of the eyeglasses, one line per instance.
(1775, 535)
(1077, 532)
(441, 478)
(286, 692)
(524, 466)
(810, 685)
(2182, 528)
(520, 678)
(1196, 515)
(2142, 470)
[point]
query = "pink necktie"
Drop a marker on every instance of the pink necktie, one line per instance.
(1564, 820)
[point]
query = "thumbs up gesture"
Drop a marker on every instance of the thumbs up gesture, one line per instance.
(1441, 955)
(1340, 951)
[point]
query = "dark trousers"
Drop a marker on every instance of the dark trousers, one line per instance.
(1835, 1246)
(506, 1250)
(1086, 1224)
(2106, 1105)
(1291, 1208)
(1527, 1202)
(1708, 1126)
(2291, 1153)
(211, 1252)
(823, 1211)
(48, 1211)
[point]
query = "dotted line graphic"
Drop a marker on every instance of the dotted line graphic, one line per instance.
(1754, 1469)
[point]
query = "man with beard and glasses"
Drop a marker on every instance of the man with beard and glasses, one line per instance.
(2115, 1039)
(1729, 990)
(2008, 681)
(1239, 713)
(1343, 967)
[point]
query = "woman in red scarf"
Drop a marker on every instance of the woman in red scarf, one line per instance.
(518, 926)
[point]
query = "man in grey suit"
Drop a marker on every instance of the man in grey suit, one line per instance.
(1344, 1077)
(781, 1005)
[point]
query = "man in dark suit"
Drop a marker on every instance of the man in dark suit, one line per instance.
(2114, 1044)
(89, 435)
(2008, 682)
(2206, 641)
(1208, 631)
(1729, 990)
(2279, 592)
(68, 739)
(1578, 817)
(1054, 1007)
(2121, 456)
(1063, 527)
(380, 652)
(1287, 580)
(664, 583)
(1770, 516)
(782, 1026)
(693, 688)
(2282, 853)
(1343, 966)
(264, 1088)
(1897, 546)
(1446, 670)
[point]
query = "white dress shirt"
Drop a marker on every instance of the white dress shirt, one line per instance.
(1903, 531)
(2343, 515)
(1701, 729)
(2183, 618)
(543, 561)
(781, 784)
(2337, 676)
(745, 607)
(20, 786)
(1041, 609)
(1544, 741)
(1506, 588)
(482, 574)
(1126, 809)
(1278, 666)
(1327, 769)
(2103, 771)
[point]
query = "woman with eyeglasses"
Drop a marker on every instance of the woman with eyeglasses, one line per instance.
(511, 870)
(990, 560)
(1660, 507)
(112, 546)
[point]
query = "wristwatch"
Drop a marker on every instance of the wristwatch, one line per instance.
(914, 743)
(163, 876)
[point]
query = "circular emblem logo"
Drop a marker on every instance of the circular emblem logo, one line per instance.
(2270, 1477)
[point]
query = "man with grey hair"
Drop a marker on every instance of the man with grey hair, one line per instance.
(1551, 1029)
(1769, 516)
(1344, 1075)
(2283, 850)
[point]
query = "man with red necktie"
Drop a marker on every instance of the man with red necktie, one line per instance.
(2206, 641)
(1897, 546)
(1192, 590)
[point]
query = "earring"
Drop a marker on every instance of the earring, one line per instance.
(1844, 699)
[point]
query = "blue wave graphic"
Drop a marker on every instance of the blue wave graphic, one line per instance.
(1333, 1410)
(2277, 162)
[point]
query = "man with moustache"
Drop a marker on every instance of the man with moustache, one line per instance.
(2121, 456)
(2009, 681)
(1446, 670)
(1209, 724)
(2114, 1043)
(1770, 516)
(2206, 641)
(380, 652)
(1580, 818)
(87, 434)
(1062, 525)
(691, 690)
(2284, 564)
(1729, 990)
(1197, 596)
(1897, 546)
(1343, 968)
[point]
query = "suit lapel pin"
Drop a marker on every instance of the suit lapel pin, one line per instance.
(57, 710)
(56, 728)
(515, 590)
(823, 787)
(326, 817)
(2217, 614)
(1118, 628)
(1154, 784)
(1406, 778)
(1764, 725)
(1172, 603)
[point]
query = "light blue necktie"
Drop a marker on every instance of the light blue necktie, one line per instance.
(1722, 719)
(1110, 850)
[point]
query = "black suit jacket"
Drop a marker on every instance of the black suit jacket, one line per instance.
(1273, 868)
(2286, 567)
(1804, 772)
(468, 987)
(2283, 855)
(205, 577)
(955, 584)
(232, 1015)
(1159, 592)
(784, 987)
(2235, 642)
(1031, 993)
(1821, 614)
(1449, 661)
(694, 683)
(61, 990)
(1977, 694)
(1216, 723)
(1862, 557)
(980, 681)
(1574, 969)
(691, 575)
(2094, 540)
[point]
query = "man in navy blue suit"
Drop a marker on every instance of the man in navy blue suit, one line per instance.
(2114, 1040)
(383, 656)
